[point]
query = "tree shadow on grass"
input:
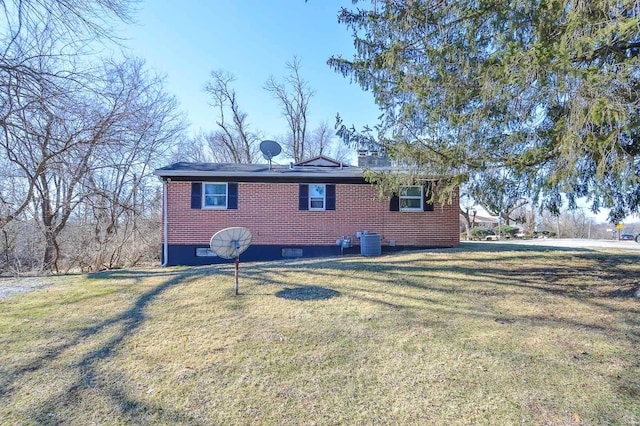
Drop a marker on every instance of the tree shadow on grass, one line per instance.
(310, 292)
(608, 277)
(47, 412)
(592, 277)
(140, 274)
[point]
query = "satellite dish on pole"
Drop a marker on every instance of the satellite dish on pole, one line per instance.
(269, 150)
(228, 243)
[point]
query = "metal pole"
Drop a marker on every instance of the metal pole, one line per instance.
(237, 264)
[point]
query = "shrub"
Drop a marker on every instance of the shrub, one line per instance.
(478, 233)
(506, 231)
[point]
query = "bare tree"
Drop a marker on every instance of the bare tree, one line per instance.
(467, 207)
(234, 141)
(323, 141)
(120, 193)
(293, 93)
(569, 223)
(78, 138)
(40, 44)
(192, 149)
(91, 143)
(72, 19)
(319, 141)
(37, 137)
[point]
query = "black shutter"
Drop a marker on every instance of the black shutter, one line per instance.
(331, 197)
(303, 197)
(232, 194)
(427, 207)
(394, 203)
(196, 195)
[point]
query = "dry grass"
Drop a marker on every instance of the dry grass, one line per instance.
(452, 337)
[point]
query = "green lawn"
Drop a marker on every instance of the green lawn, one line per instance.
(482, 334)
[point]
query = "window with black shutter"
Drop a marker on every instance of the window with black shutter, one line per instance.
(411, 199)
(394, 203)
(214, 195)
(331, 197)
(303, 197)
(232, 192)
(426, 205)
(317, 197)
(196, 195)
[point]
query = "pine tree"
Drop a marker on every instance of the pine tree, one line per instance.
(546, 89)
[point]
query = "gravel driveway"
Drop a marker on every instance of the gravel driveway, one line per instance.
(18, 285)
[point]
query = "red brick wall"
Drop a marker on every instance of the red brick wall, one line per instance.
(270, 211)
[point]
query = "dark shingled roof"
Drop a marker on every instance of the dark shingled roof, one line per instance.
(260, 172)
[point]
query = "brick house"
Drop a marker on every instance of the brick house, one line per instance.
(299, 210)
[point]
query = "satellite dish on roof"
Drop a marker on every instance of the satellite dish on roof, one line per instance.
(229, 243)
(269, 150)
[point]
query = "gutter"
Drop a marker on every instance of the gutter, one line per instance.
(165, 224)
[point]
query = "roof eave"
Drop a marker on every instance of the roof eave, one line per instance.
(267, 175)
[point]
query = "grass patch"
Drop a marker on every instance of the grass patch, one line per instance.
(448, 337)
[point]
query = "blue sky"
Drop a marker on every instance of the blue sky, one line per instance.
(252, 39)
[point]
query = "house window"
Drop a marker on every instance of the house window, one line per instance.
(214, 195)
(411, 198)
(317, 197)
(217, 196)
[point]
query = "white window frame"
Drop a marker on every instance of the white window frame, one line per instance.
(324, 197)
(411, 197)
(204, 196)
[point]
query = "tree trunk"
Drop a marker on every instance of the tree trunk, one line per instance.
(51, 252)
(467, 222)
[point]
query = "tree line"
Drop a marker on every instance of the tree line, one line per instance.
(81, 135)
